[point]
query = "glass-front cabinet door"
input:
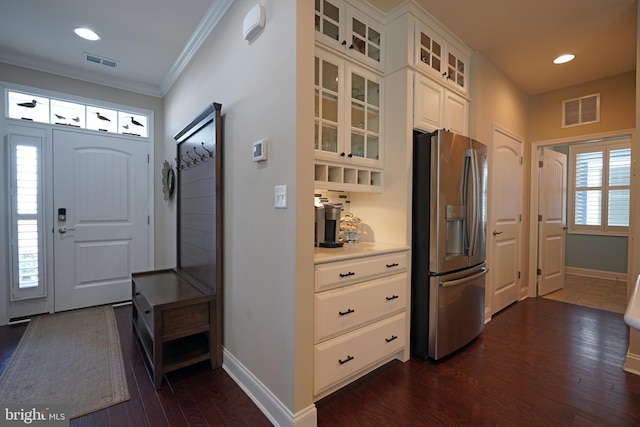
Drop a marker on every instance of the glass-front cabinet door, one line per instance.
(329, 84)
(440, 58)
(365, 39)
(330, 22)
(364, 122)
(349, 31)
(430, 52)
(456, 69)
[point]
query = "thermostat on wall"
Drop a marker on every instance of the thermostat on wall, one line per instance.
(260, 150)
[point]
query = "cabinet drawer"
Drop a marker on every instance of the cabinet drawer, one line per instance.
(145, 312)
(344, 309)
(348, 354)
(181, 321)
(336, 274)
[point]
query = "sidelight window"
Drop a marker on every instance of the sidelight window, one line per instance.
(601, 188)
(26, 217)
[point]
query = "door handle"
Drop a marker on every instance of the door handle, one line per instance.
(464, 280)
(495, 232)
(63, 230)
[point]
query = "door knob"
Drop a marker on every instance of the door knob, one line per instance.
(63, 230)
(495, 232)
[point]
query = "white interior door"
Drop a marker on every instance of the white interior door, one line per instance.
(506, 218)
(552, 221)
(102, 184)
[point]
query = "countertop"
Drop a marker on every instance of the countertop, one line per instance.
(355, 250)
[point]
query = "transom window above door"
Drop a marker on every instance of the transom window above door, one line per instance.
(31, 107)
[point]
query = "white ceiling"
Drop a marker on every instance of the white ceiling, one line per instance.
(154, 39)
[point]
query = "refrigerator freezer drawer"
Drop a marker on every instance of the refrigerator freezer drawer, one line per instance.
(456, 312)
(344, 309)
(345, 356)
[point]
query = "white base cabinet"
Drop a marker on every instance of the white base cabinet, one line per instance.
(360, 317)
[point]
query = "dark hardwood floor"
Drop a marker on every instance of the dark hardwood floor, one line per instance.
(537, 363)
(193, 396)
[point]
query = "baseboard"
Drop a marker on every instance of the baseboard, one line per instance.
(598, 274)
(487, 315)
(632, 364)
(266, 401)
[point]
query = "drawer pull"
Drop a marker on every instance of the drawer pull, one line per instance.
(147, 311)
(391, 298)
(344, 313)
(348, 359)
(137, 293)
(393, 337)
(395, 264)
(351, 273)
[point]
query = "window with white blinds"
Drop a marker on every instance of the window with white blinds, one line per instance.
(26, 217)
(600, 176)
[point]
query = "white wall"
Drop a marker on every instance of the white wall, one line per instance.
(632, 363)
(266, 91)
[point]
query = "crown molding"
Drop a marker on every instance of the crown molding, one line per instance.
(210, 20)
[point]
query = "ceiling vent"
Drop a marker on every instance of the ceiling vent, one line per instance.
(581, 111)
(100, 60)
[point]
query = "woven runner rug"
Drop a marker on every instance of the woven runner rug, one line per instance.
(70, 358)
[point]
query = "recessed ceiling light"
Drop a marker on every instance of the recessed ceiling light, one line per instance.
(86, 33)
(564, 58)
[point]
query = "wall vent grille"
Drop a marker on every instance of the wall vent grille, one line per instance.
(581, 111)
(111, 63)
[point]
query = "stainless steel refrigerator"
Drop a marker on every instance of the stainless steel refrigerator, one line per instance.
(448, 242)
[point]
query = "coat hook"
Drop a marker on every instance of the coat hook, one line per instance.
(192, 158)
(205, 149)
(202, 156)
(184, 163)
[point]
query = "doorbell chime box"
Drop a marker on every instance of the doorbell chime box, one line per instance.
(253, 22)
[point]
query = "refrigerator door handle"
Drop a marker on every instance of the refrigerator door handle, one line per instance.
(473, 234)
(464, 280)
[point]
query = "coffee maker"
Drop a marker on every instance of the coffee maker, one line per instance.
(328, 225)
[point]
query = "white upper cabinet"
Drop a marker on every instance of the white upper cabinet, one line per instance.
(350, 31)
(436, 107)
(440, 58)
(348, 105)
(329, 107)
(364, 117)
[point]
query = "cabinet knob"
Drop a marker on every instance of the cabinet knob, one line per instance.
(344, 42)
(342, 154)
(147, 311)
(350, 155)
(351, 47)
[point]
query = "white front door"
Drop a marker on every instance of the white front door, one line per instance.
(101, 183)
(552, 221)
(504, 232)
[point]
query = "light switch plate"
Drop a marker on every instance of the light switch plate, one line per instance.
(281, 196)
